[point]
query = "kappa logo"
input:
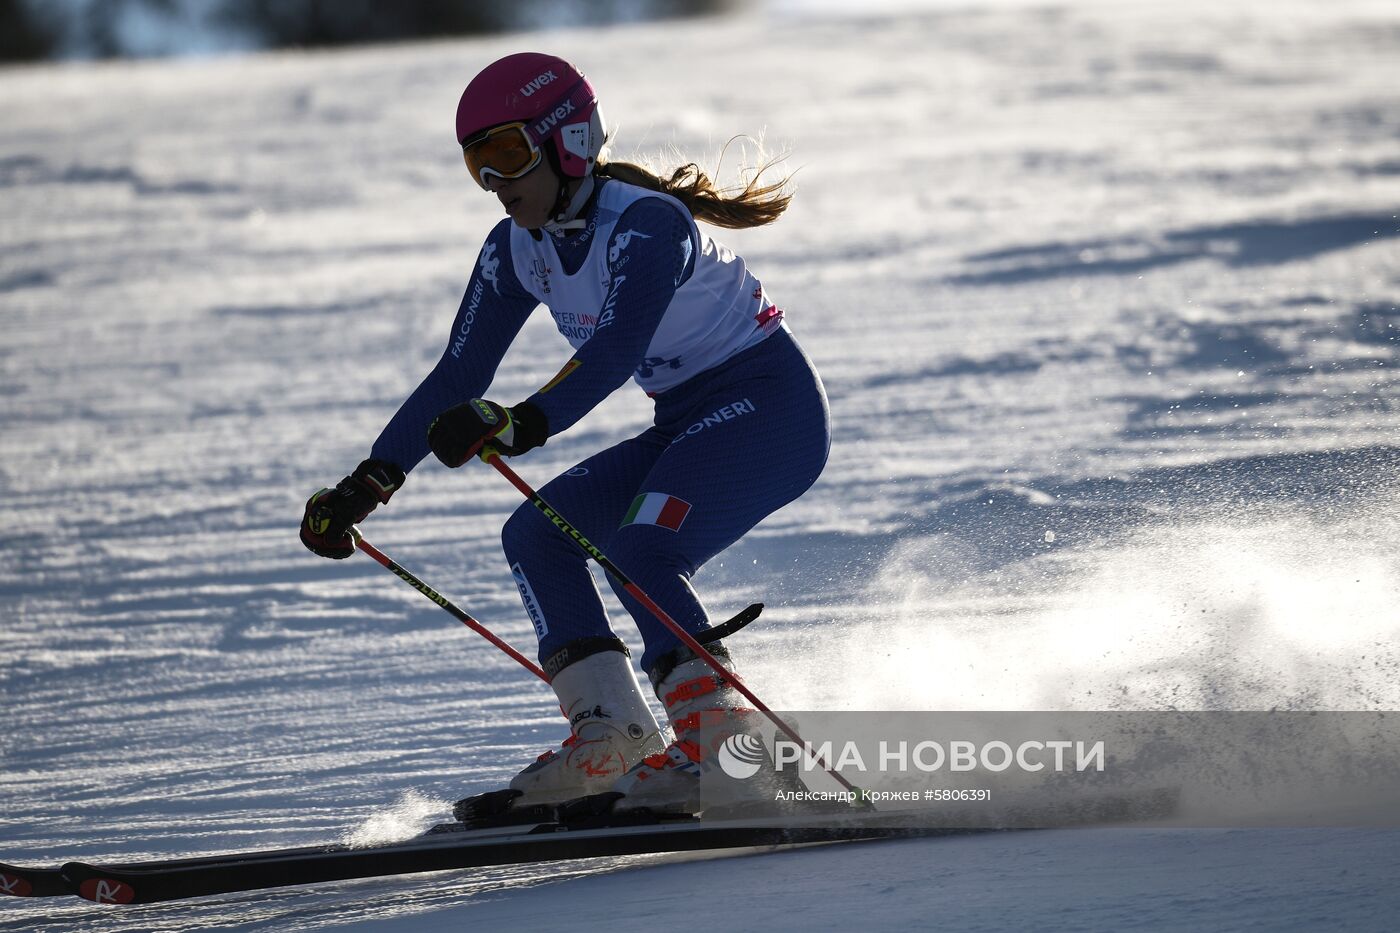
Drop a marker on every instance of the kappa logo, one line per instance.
(622, 241)
(489, 265)
(549, 77)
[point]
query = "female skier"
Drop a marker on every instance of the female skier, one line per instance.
(741, 427)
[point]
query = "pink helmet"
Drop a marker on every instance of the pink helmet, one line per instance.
(549, 96)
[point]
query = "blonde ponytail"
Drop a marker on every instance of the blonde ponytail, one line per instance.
(753, 206)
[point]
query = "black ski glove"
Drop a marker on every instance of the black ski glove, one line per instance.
(325, 525)
(458, 434)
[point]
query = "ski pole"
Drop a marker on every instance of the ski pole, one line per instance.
(445, 603)
(493, 457)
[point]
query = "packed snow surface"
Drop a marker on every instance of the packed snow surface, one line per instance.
(1105, 298)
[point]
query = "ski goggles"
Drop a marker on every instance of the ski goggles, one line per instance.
(504, 151)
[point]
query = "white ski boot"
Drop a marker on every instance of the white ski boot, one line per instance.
(717, 758)
(611, 729)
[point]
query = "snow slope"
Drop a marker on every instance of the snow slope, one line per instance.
(1105, 297)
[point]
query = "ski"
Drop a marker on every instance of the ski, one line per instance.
(27, 881)
(583, 832)
(17, 881)
(152, 882)
(20, 881)
(23, 881)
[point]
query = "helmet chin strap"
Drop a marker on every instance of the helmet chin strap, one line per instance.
(566, 209)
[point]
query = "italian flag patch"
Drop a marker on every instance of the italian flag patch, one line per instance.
(657, 508)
